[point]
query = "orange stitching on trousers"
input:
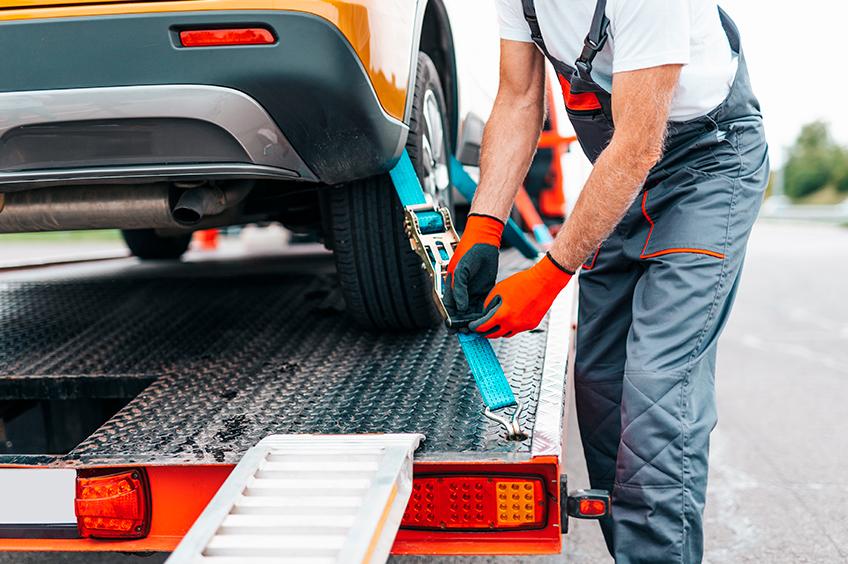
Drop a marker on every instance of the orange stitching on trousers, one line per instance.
(591, 265)
(668, 251)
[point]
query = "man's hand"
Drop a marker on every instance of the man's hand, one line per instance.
(509, 142)
(473, 270)
(521, 301)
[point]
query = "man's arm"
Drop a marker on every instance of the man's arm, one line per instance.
(512, 131)
(641, 101)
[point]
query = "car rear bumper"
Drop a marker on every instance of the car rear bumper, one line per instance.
(302, 108)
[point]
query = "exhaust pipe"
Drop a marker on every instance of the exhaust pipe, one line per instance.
(200, 202)
(146, 206)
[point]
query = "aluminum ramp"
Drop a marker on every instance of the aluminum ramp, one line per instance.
(308, 499)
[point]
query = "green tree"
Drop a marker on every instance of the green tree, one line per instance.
(815, 161)
(840, 172)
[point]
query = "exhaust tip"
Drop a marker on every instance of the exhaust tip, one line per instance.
(187, 216)
(191, 207)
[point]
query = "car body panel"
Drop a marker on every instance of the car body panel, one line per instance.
(329, 113)
(335, 84)
(380, 31)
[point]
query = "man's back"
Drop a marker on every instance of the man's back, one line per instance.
(643, 34)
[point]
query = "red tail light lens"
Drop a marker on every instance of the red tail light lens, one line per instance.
(223, 37)
(588, 504)
(593, 507)
(113, 505)
(476, 503)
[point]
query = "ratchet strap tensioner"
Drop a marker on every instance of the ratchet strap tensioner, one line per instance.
(434, 239)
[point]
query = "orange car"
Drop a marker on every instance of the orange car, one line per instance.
(164, 117)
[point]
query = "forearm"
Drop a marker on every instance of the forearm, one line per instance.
(509, 144)
(613, 185)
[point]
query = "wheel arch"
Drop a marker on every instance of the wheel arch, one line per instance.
(435, 38)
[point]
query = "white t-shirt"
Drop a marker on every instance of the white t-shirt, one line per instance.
(642, 34)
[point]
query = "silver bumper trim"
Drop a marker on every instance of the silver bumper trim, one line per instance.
(236, 113)
(25, 180)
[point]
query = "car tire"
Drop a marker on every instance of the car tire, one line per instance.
(146, 244)
(383, 281)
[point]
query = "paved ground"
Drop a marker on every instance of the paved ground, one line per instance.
(777, 488)
(778, 491)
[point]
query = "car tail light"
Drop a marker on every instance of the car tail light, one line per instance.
(474, 503)
(113, 505)
(223, 37)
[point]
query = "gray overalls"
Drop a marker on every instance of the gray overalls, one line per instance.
(654, 299)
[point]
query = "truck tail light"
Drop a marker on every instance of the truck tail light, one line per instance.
(475, 503)
(224, 37)
(588, 504)
(113, 506)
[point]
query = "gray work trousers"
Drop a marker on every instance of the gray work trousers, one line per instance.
(653, 301)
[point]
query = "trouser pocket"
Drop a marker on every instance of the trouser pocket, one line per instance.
(688, 213)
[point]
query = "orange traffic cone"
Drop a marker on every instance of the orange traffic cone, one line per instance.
(207, 240)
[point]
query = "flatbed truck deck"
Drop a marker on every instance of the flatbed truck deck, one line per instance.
(177, 369)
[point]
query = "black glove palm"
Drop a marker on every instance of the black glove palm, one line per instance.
(473, 278)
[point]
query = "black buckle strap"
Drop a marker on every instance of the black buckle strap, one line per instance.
(529, 8)
(595, 40)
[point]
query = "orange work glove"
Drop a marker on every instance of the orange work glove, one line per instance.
(521, 301)
(473, 269)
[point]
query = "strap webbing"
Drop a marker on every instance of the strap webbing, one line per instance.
(487, 371)
(406, 182)
(595, 40)
(529, 7)
(513, 234)
(485, 367)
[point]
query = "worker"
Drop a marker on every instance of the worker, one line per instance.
(659, 96)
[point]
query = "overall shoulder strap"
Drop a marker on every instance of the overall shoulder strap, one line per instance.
(731, 30)
(595, 40)
(529, 7)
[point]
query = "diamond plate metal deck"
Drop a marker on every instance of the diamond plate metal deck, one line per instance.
(237, 352)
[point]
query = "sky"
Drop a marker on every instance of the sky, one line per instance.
(797, 54)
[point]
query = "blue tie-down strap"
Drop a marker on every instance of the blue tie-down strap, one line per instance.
(485, 366)
(430, 222)
(487, 371)
(512, 234)
(406, 182)
(542, 234)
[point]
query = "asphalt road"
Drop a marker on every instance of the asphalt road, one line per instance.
(778, 491)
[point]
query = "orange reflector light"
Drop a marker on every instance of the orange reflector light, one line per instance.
(113, 506)
(223, 37)
(476, 503)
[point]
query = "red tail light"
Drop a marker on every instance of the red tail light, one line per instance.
(593, 507)
(113, 505)
(588, 504)
(223, 37)
(473, 503)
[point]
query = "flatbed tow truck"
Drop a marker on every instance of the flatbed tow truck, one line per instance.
(229, 411)
(155, 379)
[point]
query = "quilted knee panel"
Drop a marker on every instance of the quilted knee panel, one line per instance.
(652, 440)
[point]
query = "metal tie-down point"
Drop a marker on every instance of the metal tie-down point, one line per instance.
(512, 426)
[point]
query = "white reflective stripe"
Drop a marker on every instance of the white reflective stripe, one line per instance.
(37, 496)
